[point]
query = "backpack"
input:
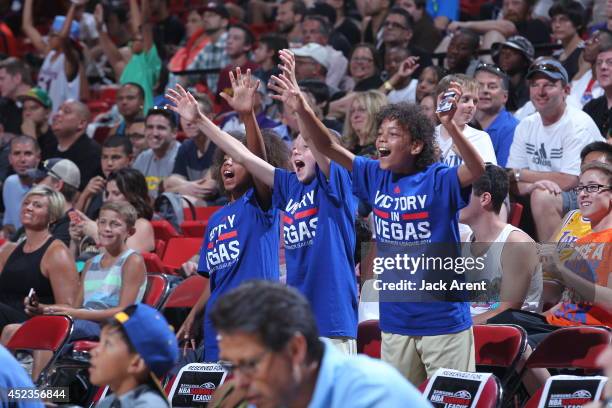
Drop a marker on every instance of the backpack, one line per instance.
(169, 206)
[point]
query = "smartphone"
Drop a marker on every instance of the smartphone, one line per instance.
(33, 298)
(446, 104)
(74, 217)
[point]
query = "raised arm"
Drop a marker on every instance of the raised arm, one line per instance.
(473, 166)
(319, 135)
(71, 64)
(243, 101)
(290, 101)
(147, 25)
(187, 107)
(27, 26)
(109, 48)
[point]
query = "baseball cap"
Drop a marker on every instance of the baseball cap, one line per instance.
(218, 8)
(58, 23)
(152, 338)
(549, 67)
(518, 43)
(315, 51)
(62, 169)
(38, 95)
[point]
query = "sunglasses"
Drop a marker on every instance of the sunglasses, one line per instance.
(483, 66)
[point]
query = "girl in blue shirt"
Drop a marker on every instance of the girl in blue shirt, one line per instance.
(241, 239)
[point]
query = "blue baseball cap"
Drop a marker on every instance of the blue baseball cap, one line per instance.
(549, 67)
(151, 336)
(58, 23)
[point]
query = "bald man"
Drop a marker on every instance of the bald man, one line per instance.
(69, 125)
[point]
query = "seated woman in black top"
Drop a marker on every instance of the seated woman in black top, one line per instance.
(38, 262)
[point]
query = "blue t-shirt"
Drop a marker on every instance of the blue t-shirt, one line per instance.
(319, 234)
(360, 381)
(417, 208)
(447, 8)
(241, 244)
(12, 376)
(501, 131)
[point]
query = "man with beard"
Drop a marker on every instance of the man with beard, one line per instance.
(214, 54)
(289, 16)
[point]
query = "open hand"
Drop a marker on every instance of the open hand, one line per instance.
(244, 88)
(288, 93)
(184, 104)
(408, 66)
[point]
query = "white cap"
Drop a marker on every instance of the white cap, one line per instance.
(315, 51)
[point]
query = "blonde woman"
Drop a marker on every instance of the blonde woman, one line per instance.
(360, 123)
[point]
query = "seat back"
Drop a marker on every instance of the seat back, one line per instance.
(187, 293)
(201, 213)
(153, 263)
(499, 345)
(160, 247)
(46, 332)
(516, 213)
(369, 338)
(163, 230)
(157, 290)
(194, 228)
(587, 342)
(491, 396)
(180, 250)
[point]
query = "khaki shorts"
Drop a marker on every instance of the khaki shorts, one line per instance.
(418, 357)
(346, 345)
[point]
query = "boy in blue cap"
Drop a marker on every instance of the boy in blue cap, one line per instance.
(137, 347)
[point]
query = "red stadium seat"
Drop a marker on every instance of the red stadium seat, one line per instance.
(97, 107)
(180, 250)
(187, 293)
(369, 338)
(48, 332)
(153, 263)
(202, 213)
(160, 247)
(194, 228)
(163, 230)
(516, 213)
(101, 134)
(499, 345)
(587, 342)
(157, 290)
(490, 397)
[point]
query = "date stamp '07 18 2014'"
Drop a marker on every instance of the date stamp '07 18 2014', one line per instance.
(19, 394)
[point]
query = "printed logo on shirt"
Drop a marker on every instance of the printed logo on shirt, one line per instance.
(401, 219)
(300, 222)
(540, 157)
(223, 247)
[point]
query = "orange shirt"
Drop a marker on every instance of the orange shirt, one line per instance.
(592, 260)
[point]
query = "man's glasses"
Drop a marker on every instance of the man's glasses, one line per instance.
(247, 368)
(394, 25)
(545, 67)
(591, 188)
(483, 66)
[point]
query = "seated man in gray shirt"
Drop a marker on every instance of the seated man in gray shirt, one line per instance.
(157, 162)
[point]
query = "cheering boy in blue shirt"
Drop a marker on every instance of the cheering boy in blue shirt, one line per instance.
(415, 199)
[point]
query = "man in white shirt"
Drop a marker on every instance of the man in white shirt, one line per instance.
(545, 154)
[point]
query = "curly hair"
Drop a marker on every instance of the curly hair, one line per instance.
(277, 154)
(133, 186)
(372, 101)
(413, 121)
